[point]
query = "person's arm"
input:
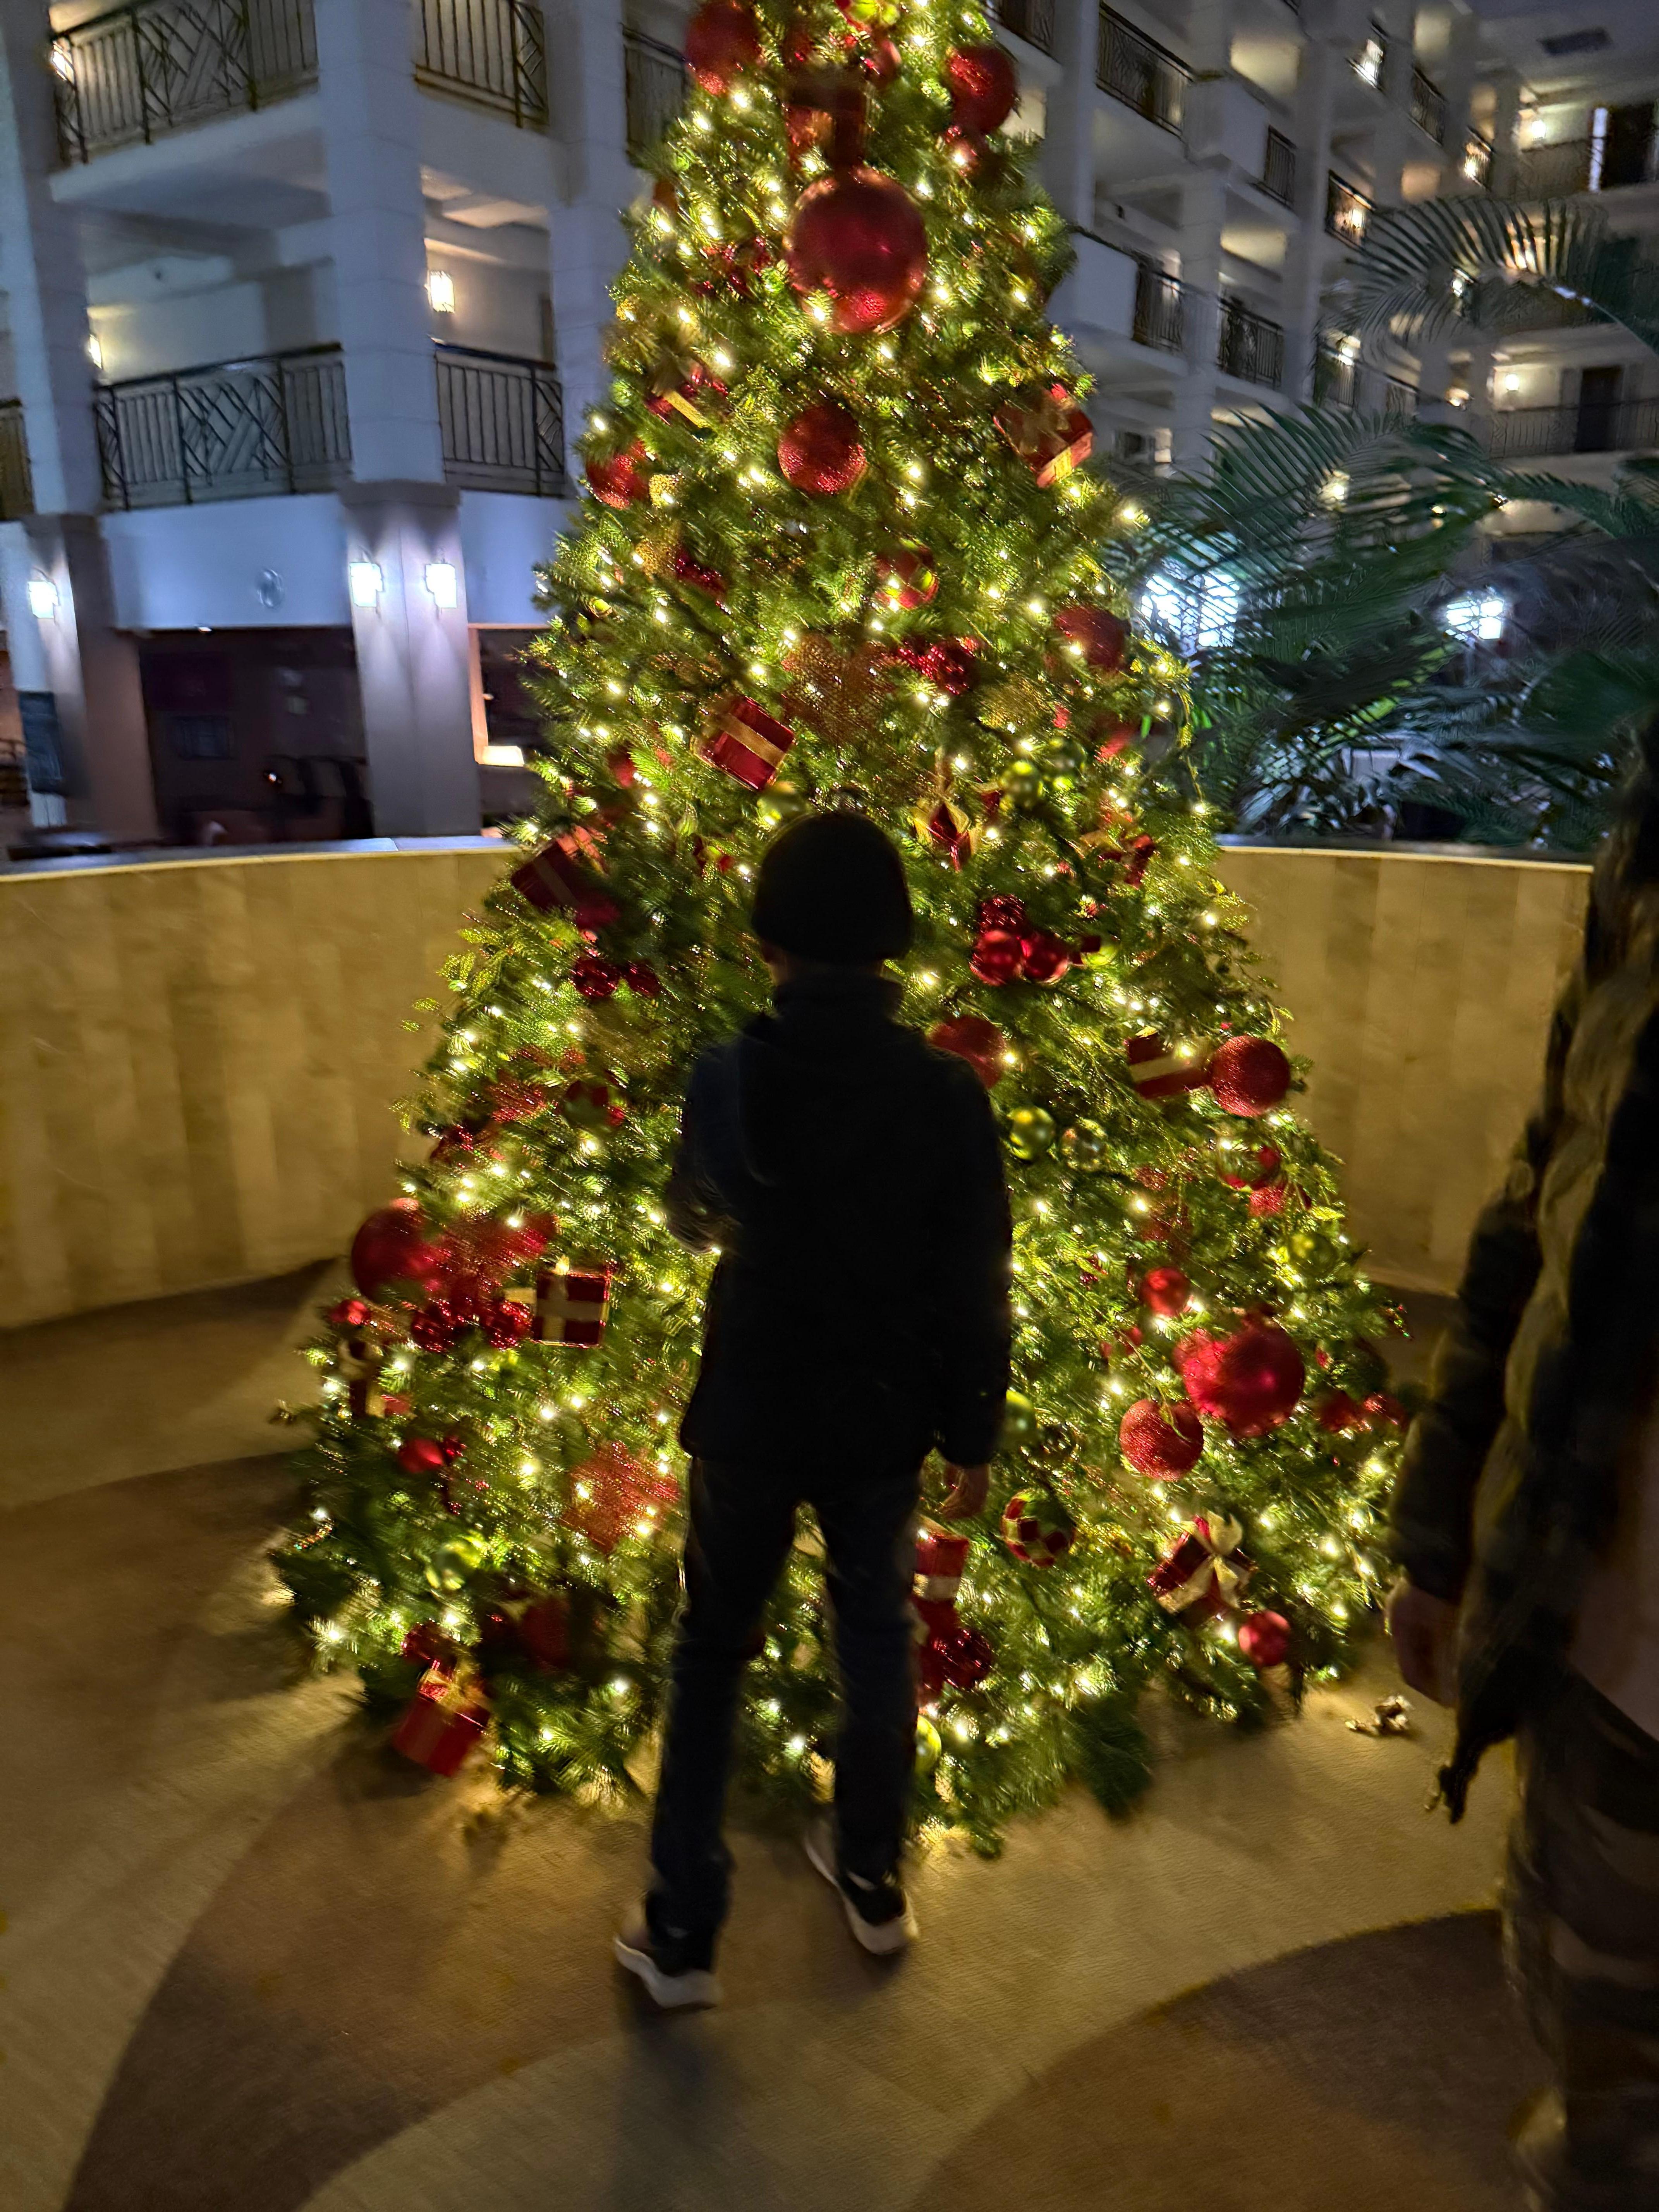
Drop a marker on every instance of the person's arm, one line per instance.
(976, 1327)
(697, 1215)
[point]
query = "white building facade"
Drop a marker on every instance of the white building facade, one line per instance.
(303, 304)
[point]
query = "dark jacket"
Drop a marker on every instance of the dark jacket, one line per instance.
(851, 1178)
(1510, 1489)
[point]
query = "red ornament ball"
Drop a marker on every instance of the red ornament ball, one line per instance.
(505, 1322)
(351, 1313)
(964, 150)
(1248, 1075)
(1045, 958)
(859, 236)
(1001, 910)
(392, 1257)
(947, 663)
(974, 1039)
(1165, 1291)
(984, 87)
(1251, 1170)
(998, 955)
(1251, 1380)
(907, 578)
(820, 450)
(1271, 1199)
(594, 976)
(1038, 1528)
(1338, 1414)
(1102, 638)
(642, 980)
(620, 479)
(437, 1326)
(421, 1456)
(1161, 1442)
(1382, 1408)
(1265, 1638)
(722, 40)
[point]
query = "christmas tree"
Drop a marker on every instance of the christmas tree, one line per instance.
(840, 551)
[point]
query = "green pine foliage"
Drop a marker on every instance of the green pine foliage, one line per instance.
(944, 642)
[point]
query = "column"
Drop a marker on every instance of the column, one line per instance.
(1308, 247)
(403, 521)
(587, 244)
(1203, 208)
(74, 651)
(1067, 159)
(1506, 131)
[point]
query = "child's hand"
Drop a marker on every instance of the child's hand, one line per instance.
(970, 1488)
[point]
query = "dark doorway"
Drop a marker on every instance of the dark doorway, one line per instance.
(1598, 410)
(1627, 149)
(256, 736)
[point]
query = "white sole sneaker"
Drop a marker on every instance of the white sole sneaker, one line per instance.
(692, 1991)
(880, 1938)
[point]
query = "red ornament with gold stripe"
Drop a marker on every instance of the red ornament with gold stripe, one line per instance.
(444, 1719)
(747, 742)
(568, 873)
(1050, 432)
(568, 1305)
(1159, 1073)
(907, 578)
(1204, 1571)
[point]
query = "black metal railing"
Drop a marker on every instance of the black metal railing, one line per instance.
(16, 484)
(1545, 172)
(1140, 73)
(491, 52)
(502, 420)
(1278, 169)
(1031, 20)
(1248, 346)
(1428, 106)
(1160, 319)
(655, 78)
(1477, 159)
(1335, 378)
(1347, 210)
(236, 430)
(1370, 56)
(1593, 426)
(138, 72)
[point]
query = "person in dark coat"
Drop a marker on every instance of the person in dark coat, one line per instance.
(850, 1178)
(1526, 1520)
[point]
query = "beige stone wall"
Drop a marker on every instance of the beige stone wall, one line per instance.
(197, 1059)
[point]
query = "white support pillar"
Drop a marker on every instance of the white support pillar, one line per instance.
(74, 651)
(587, 244)
(1068, 139)
(1322, 58)
(1203, 209)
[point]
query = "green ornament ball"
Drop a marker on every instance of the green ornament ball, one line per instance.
(1023, 781)
(452, 1563)
(782, 802)
(1020, 1422)
(1064, 759)
(929, 1745)
(1030, 1132)
(1083, 1147)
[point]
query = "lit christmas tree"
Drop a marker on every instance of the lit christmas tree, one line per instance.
(841, 551)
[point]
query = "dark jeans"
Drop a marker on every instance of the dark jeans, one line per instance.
(741, 1523)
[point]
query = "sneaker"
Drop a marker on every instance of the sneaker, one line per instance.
(878, 1913)
(661, 1963)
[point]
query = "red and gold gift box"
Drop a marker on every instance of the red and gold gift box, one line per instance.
(442, 1721)
(1157, 1072)
(946, 823)
(747, 742)
(1052, 435)
(1203, 1571)
(687, 389)
(567, 873)
(569, 1305)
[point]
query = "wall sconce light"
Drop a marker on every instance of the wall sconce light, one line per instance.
(440, 581)
(366, 581)
(95, 349)
(441, 291)
(42, 595)
(1511, 382)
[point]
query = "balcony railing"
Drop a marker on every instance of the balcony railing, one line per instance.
(491, 52)
(1428, 107)
(1335, 378)
(1031, 20)
(1593, 426)
(1477, 160)
(1399, 399)
(1160, 317)
(502, 420)
(237, 430)
(1140, 73)
(1250, 346)
(139, 72)
(1278, 169)
(1370, 56)
(655, 78)
(16, 485)
(1546, 172)
(1347, 211)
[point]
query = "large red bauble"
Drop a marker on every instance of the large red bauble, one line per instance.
(1248, 1075)
(619, 479)
(859, 236)
(421, 1456)
(1265, 1638)
(820, 451)
(998, 955)
(392, 1255)
(1161, 1442)
(1250, 1381)
(974, 1039)
(1165, 1291)
(1102, 637)
(1339, 1415)
(722, 40)
(1272, 1198)
(984, 87)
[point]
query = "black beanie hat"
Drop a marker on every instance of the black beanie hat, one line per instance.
(831, 887)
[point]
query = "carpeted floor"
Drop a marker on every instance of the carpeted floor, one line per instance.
(251, 1962)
